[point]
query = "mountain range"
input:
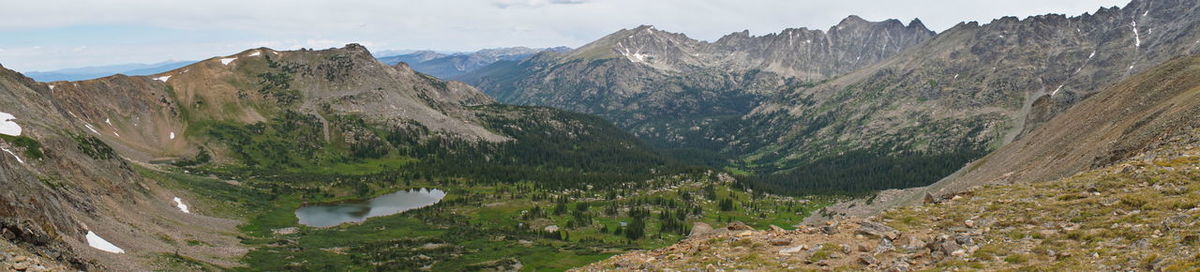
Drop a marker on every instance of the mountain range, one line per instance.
(1051, 142)
(452, 65)
(73, 74)
(799, 107)
(441, 65)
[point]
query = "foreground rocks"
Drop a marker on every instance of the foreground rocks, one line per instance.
(13, 258)
(1142, 215)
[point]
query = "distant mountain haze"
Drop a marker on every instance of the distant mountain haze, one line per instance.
(440, 64)
(452, 65)
(84, 73)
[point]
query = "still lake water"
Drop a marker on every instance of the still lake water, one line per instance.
(357, 211)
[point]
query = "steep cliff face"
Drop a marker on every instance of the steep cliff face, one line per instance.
(670, 88)
(973, 87)
(814, 54)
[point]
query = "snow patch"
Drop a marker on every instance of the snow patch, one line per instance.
(90, 127)
(1086, 62)
(226, 61)
(1056, 90)
(181, 206)
(163, 78)
(634, 56)
(172, 135)
(1137, 38)
(8, 126)
(256, 53)
(108, 121)
(955, 76)
(13, 154)
(115, 133)
(1146, 13)
(51, 87)
(99, 243)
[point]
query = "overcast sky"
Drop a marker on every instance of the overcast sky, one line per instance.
(39, 35)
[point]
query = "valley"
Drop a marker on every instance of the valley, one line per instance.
(1047, 143)
(517, 187)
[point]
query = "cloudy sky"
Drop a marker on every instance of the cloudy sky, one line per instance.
(39, 35)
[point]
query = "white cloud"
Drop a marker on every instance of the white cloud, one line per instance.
(536, 3)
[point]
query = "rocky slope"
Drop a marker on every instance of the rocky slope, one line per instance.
(63, 190)
(75, 174)
(1139, 215)
(1136, 115)
(973, 87)
(1110, 184)
(149, 118)
(450, 66)
(666, 86)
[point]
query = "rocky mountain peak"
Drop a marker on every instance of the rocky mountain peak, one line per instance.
(851, 20)
(917, 24)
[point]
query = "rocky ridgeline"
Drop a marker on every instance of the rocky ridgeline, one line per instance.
(668, 87)
(974, 86)
(1141, 214)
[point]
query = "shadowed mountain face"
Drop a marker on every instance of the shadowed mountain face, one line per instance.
(1138, 118)
(669, 88)
(450, 66)
(972, 88)
(860, 93)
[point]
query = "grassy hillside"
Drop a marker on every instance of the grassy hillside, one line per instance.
(1136, 215)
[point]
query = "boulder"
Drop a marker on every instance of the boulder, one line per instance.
(949, 247)
(738, 225)
(867, 260)
(885, 245)
(794, 249)
(830, 228)
(878, 230)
